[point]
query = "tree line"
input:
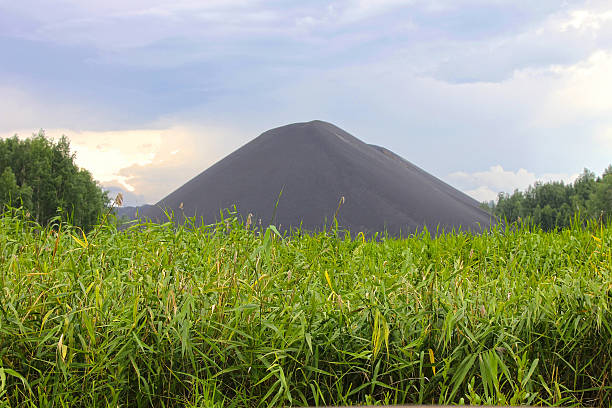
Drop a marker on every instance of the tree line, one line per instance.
(555, 205)
(40, 176)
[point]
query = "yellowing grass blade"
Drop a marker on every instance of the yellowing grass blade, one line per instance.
(328, 281)
(258, 280)
(62, 348)
(432, 360)
(82, 242)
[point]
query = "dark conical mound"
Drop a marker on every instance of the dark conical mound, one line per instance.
(315, 164)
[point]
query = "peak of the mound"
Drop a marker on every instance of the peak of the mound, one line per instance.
(311, 132)
(314, 164)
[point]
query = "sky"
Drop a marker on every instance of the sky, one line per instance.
(488, 95)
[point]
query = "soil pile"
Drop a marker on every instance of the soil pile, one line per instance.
(315, 164)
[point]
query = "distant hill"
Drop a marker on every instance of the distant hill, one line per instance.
(314, 164)
(132, 212)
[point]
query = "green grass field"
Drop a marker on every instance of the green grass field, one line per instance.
(223, 315)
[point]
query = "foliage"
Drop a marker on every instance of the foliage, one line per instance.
(160, 315)
(11, 192)
(41, 175)
(553, 205)
(601, 199)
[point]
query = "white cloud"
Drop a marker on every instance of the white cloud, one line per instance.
(148, 163)
(583, 89)
(486, 185)
(563, 38)
(536, 96)
(496, 178)
(182, 154)
(586, 20)
(105, 153)
(482, 194)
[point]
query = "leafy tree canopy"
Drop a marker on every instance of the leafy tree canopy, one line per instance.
(41, 176)
(554, 205)
(601, 198)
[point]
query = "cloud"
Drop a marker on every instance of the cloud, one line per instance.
(486, 185)
(117, 26)
(105, 153)
(448, 85)
(584, 89)
(179, 154)
(29, 106)
(604, 138)
(17, 109)
(353, 11)
(552, 117)
(147, 164)
(565, 37)
(586, 20)
(188, 31)
(482, 194)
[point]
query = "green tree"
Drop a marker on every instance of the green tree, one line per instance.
(553, 205)
(509, 207)
(600, 204)
(11, 193)
(9, 190)
(41, 175)
(581, 191)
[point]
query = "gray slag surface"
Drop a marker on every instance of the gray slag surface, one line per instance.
(315, 164)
